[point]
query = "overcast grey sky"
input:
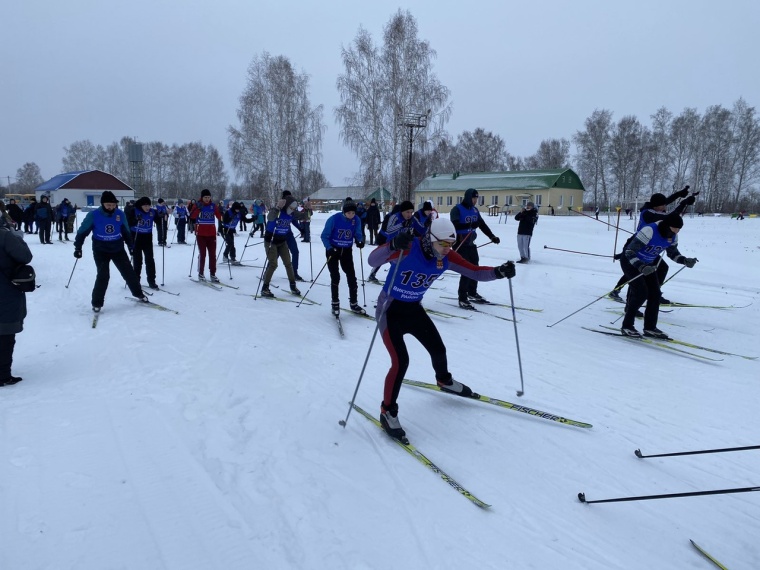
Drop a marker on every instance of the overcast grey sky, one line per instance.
(173, 71)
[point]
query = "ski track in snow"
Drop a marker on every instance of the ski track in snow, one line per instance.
(210, 439)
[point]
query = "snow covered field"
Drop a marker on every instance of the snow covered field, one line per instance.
(210, 439)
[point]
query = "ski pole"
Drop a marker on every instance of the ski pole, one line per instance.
(371, 342)
(722, 450)
(263, 269)
(593, 218)
(361, 265)
(582, 496)
(72, 272)
(313, 282)
(676, 273)
(192, 259)
(485, 244)
(580, 252)
(617, 229)
(461, 243)
(163, 263)
(311, 264)
(595, 300)
(521, 391)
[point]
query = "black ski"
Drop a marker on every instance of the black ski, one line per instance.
(153, 305)
(505, 404)
(364, 315)
(473, 309)
(340, 326)
(505, 305)
(655, 343)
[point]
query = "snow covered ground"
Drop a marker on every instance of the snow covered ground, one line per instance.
(210, 439)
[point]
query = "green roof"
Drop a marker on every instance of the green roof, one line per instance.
(514, 180)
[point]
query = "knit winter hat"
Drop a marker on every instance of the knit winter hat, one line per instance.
(427, 207)
(406, 205)
(108, 198)
(349, 206)
(286, 193)
(205, 192)
(144, 201)
(658, 200)
(673, 220)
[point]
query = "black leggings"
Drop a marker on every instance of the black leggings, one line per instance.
(408, 318)
(345, 260)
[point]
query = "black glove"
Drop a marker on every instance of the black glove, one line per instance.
(689, 261)
(505, 270)
(683, 193)
(360, 244)
(647, 269)
(401, 241)
(690, 200)
(78, 253)
(496, 240)
(331, 252)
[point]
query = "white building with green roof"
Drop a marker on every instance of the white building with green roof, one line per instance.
(559, 189)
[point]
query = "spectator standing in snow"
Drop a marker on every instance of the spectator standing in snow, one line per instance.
(13, 252)
(528, 218)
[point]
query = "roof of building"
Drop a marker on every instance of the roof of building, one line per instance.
(513, 180)
(357, 193)
(83, 180)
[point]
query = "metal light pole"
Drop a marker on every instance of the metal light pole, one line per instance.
(412, 121)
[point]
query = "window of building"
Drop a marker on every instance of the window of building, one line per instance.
(459, 200)
(561, 201)
(494, 200)
(571, 201)
(481, 200)
(537, 201)
(449, 200)
(440, 200)
(508, 200)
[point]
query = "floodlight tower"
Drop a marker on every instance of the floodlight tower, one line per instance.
(412, 121)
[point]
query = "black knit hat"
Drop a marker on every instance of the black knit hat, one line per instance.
(205, 192)
(349, 206)
(144, 201)
(406, 205)
(108, 197)
(673, 220)
(286, 193)
(658, 200)
(427, 207)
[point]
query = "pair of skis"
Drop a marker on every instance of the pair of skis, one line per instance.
(666, 343)
(417, 454)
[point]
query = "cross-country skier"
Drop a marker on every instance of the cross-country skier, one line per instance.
(400, 312)
(110, 232)
(639, 260)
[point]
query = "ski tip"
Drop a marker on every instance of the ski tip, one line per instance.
(582, 497)
(638, 454)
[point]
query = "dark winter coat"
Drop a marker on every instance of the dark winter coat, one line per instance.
(16, 213)
(29, 212)
(373, 217)
(527, 219)
(13, 252)
(43, 211)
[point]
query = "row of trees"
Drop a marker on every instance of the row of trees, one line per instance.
(385, 86)
(717, 154)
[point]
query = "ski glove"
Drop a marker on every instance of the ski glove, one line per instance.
(331, 252)
(689, 261)
(496, 240)
(401, 241)
(647, 269)
(505, 270)
(683, 193)
(360, 244)
(690, 200)
(78, 253)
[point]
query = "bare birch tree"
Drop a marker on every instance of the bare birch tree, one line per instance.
(378, 88)
(593, 146)
(279, 138)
